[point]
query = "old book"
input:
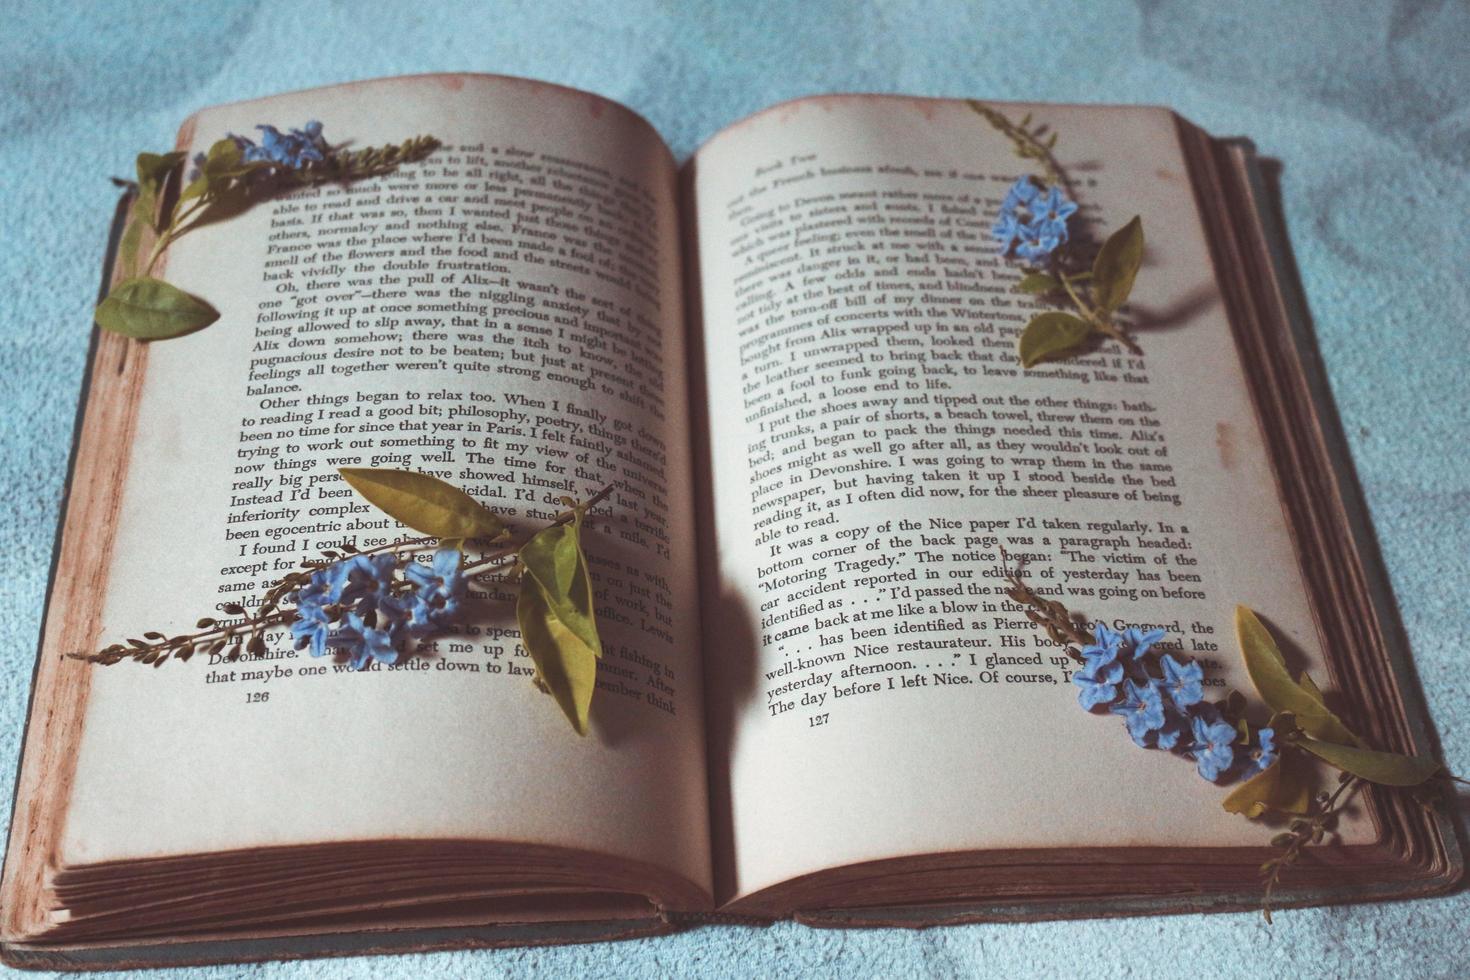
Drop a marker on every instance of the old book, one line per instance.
(794, 356)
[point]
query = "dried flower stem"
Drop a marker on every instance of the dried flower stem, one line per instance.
(247, 634)
(1063, 626)
(1306, 831)
(1090, 313)
(1028, 143)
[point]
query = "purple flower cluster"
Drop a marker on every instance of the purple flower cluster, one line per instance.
(1032, 220)
(356, 606)
(1165, 708)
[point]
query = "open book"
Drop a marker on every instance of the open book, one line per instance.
(794, 356)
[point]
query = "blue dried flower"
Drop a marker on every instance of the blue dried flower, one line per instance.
(1052, 211)
(379, 621)
(1036, 241)
(382, 641)
(1142, 709)
(1105, 643)
(369, 579)
(1264, 755)
(293, 150)
(1022, 194)
(1169, 736)
(311, 627)
(1033, 221)
(442, 583)
(1141, 642)
(1098, 680)
(1213, 750)
(1184, 683)
(1005, 231)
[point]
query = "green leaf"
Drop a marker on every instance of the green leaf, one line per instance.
(557, 618)
(153, 170)
(1283, 788)
(428, 505)
(127, 246)
(1038, 283)
(1051, 335)
(150, 309)
(195, 188)
(565, 666)
(1116, 265)
(1387, 768)
(222, 157)
(1307, 684)
(1267, 669)
(554, 558)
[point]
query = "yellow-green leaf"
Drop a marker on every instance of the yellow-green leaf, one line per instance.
(1116, 266)
(195, 188)
(1267, 669)
(554, 558)
(222, 157)
(127, 246)
(565, 665)
(150, 309)
(153, 168)
(1388, 768)
(1038, 282)
(428, 505)
(1051, 335)
(1283, 788)
(1310, 686)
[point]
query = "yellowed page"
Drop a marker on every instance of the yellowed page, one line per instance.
(876, 445)
(507, 315)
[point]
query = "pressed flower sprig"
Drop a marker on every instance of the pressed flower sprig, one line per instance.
(1033, 227)
(368, 606)
(236, 173)
(1161, 700)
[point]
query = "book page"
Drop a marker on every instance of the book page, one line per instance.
(874, 448)
(507, 316)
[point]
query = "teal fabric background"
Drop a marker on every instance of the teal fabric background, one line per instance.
(1366, 104)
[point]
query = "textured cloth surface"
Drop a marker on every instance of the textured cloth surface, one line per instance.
(1366, 104)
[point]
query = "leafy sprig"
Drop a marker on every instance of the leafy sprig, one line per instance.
(1303, 731)
(1034, 222)
(555, 607)
(233, 176)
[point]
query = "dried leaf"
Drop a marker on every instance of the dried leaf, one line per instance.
(1386, 768)
(150, 309)
(1038, 283)
(554, 558)
(557, 619)
(1283, 788)
(1267, 669)
(1116, 266)
(566, 668)
(428, 505)
(1051, 335)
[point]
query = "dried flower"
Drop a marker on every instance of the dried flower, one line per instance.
(1142, 709)
(1184, 683)
(1033, 221)
(1140, 642)
(1264, 755)
(1098, 681)
(1213, 748)
(381, 642)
